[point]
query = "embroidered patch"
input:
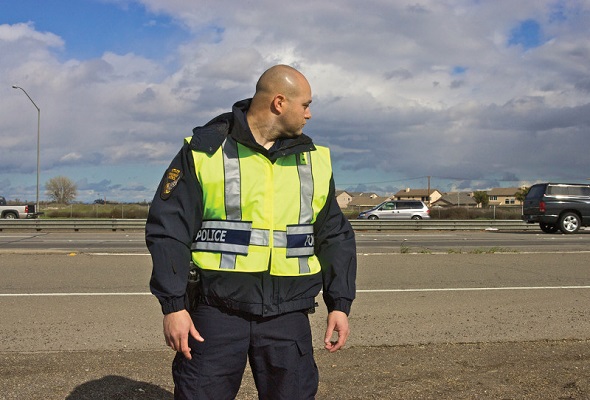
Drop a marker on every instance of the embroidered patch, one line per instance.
(173, 175)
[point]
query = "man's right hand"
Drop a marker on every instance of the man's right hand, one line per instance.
(177, 326)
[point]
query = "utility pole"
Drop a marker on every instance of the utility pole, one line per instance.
(429, 191)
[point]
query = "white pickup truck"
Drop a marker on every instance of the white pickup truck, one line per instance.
(15, 212)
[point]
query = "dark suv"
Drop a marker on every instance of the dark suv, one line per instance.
(558, 206)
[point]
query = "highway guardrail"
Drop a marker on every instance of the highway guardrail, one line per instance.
(72, 224)
(358, 224)
(441, 224)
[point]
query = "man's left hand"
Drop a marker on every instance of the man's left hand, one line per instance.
(337, 322)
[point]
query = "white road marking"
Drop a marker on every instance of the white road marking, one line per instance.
(474, 289)
(72, 294)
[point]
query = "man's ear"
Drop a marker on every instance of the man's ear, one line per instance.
(278, 103)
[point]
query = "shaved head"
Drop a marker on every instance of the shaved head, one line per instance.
(280, 106)
(280, 79)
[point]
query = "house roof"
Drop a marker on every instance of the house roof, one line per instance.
(415, 192)
(366, 201)
(363, 194)
(454, 198)
(503, 191)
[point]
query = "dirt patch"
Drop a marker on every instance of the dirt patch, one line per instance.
(523, 370)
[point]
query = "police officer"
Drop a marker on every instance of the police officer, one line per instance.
(249, 200)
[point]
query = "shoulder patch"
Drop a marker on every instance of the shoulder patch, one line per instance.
(173, 175)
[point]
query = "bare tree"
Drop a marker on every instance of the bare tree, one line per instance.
(61, 189)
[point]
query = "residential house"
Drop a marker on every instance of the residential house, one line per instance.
(419, 194)
(455, 199)
(503, 196)
(343, 198)
(362, 203)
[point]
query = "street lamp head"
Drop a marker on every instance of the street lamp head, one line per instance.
(14, 87)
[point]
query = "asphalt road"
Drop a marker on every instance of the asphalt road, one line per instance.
(437, 315)
(368, 242)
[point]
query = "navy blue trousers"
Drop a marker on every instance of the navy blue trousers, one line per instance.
(278, 348)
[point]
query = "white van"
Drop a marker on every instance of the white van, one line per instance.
(398, 209)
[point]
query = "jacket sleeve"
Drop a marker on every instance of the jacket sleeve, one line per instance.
(174, 217)
(336, 251)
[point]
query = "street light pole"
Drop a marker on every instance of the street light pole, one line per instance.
(38, 141)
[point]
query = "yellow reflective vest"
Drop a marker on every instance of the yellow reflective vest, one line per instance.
(259, 214)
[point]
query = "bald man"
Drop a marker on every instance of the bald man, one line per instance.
(247, 210)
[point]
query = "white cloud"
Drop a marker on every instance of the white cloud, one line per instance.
(71, 157)
(25, 32)
(387, 95)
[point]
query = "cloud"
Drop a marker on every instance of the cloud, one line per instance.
(480, 92)
(23, 33)
(71, 157)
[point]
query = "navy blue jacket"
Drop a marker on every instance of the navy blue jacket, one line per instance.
(176, 214)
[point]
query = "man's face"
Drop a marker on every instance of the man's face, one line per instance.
(297, 112)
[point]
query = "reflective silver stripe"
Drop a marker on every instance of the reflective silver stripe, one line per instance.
(279, 238)
(260, 237)
(299, 229)
(299, 251)
(306, 184)
(228, 261)
(231, 167)
(232, 194)
(304, 265)
(305, 213)
(233, 225)
(220, 247)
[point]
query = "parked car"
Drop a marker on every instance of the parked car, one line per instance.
(397, 209)
(558, 206)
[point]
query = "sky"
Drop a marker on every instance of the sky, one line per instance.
(467, 94)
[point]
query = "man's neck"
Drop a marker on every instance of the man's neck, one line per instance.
(260, 132)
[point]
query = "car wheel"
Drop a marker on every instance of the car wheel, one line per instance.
(548, 228)
(569, 223)
(10, 215)
(373, 217)
(416, 217)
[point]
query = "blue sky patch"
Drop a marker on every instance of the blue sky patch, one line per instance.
(89, 27)
(459, 70)
(527, 34)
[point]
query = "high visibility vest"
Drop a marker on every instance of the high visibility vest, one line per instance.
(258, 214)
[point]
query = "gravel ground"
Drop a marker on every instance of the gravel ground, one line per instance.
(520, 370)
